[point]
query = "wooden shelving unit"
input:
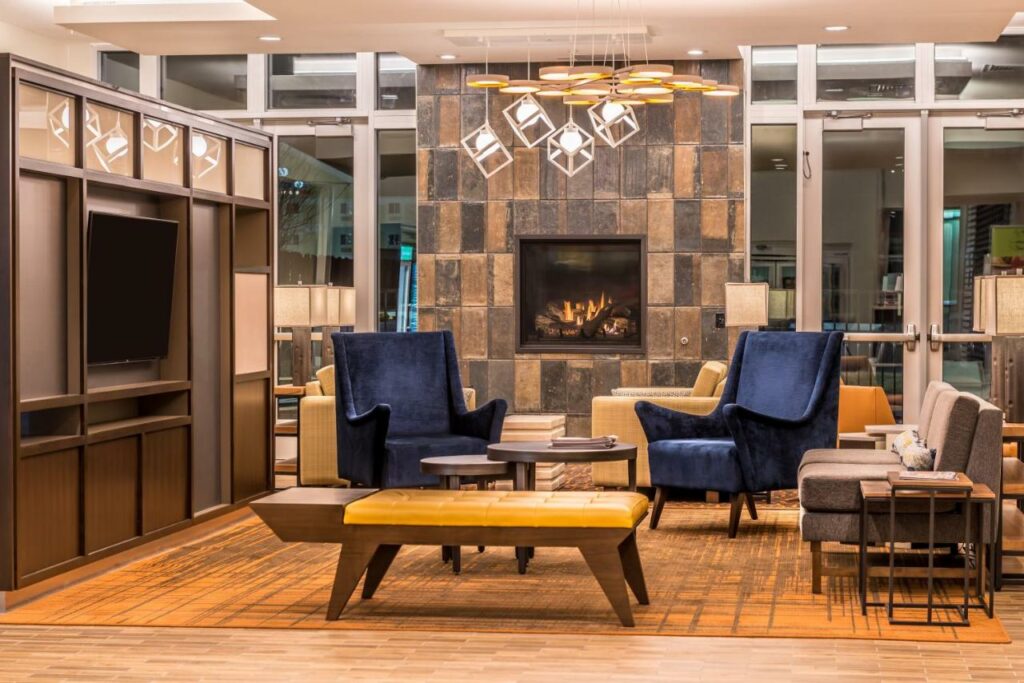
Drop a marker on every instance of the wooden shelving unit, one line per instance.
(97, 459)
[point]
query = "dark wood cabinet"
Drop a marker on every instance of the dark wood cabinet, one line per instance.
(95, 459)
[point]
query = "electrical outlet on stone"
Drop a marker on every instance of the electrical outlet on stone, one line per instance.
(719, 320)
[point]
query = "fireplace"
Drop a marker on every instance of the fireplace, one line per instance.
(580, 294)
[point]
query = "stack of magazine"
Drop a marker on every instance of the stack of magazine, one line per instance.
(582, 442)
(927, 475)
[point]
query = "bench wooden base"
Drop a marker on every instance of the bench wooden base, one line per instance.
(611, 555)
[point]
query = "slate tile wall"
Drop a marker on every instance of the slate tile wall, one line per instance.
(679, 181)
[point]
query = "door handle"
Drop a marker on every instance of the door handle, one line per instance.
(936, 338)
(909, 338)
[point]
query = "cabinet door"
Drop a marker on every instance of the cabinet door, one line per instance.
(48, 519)
(250, 462)
(165, 489)
(111, 493)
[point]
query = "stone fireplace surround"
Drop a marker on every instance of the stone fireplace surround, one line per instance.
(679, 182)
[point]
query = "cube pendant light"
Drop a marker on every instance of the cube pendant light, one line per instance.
(486, 150)
(529, 121)
(613, 122)
(571, 148)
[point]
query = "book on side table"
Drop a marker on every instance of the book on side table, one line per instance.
(946, 481)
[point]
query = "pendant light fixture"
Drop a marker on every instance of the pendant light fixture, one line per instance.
(571, 148)
(483, 145)
(613, 121)
(527, 117)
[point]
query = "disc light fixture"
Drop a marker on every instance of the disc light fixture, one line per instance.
(724, 91)
(520, 87)
(487, 81)
(554, 73)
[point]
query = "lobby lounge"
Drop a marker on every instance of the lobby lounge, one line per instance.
(412, 341)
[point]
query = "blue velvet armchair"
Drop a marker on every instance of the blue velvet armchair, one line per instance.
(399, 401)
(781, 399)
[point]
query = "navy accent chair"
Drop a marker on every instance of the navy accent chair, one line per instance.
(399, 401)
(781, 399)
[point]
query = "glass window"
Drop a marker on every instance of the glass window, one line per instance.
(396, 219)
(862, 251)
(773, 74)
(773, 177)
(162, 151)
(396, 82)
(848, 73)
(210, 82)
(109, 140)
(315, 202)
(312, 81)
(120, 69)
(46, 125)
(980, 71)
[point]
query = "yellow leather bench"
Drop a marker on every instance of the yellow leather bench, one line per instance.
(601, 524)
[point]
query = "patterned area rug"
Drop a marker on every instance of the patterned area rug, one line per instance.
(701, 584)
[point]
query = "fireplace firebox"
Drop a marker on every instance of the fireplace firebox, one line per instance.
(581, 294)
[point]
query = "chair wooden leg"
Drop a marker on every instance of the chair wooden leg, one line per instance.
(751, 508)
(379, 564)
(352, 563)
(735, 509)
(659, 504)
(606, 565)
(816, 567)
(629, 554)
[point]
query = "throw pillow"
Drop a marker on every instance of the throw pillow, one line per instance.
(913, 451)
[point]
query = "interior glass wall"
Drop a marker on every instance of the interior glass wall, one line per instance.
(312, 81)
(980, 71)
(120, 69)
(396, 221)
(983, 226)
(211, 82)
(866, 72)
(773, 74)
(396, 82)
(862, 251)
(773, 178)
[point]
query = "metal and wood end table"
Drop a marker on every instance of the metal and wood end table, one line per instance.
(526, 454)
(451, 469)
(960, 490)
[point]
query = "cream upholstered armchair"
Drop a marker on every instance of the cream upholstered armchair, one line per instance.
(318, 435)
(615, 414)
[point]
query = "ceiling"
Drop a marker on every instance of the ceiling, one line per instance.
(423, 30)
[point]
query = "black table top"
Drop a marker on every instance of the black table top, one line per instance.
(463, 466)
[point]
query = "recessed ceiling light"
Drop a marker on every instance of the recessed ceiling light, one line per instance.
(448, 58)
(270, 39)
(695, 52)
(837, 28)
(778, 160)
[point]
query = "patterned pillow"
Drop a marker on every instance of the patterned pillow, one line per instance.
(913, 451)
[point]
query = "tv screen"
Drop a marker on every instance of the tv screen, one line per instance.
(130, 287)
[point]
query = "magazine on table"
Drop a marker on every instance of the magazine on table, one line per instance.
(584, 442)
(927, 475)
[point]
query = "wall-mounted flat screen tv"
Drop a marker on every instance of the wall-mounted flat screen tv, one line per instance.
(130, 287)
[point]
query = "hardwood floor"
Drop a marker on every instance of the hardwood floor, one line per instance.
(177, 654)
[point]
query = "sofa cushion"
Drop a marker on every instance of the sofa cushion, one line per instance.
(326, 377)
(931, 394)
(709, 464)
(951, 430)
(711, 373)
(835, 486)
(402, 465)
(855, 456)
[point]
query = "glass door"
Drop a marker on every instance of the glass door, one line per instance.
(976, 227)
(862, 238)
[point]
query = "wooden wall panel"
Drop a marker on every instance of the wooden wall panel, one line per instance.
(165, 487)
(111, 493)
(47, 507)
(250, 465)
(42, 286)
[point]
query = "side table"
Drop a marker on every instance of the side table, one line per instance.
(450, 469)
(961, 490)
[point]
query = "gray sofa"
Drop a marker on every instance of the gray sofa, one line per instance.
(966, 433)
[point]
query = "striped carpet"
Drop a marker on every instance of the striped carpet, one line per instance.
(701, 584)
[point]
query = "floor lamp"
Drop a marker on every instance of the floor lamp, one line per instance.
(300, 307)
(746, 305)
(341, 312)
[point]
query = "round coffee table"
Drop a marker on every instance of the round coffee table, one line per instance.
(451, 469)
(526, 454)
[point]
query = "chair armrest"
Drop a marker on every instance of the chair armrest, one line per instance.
(888, 429)
(483, 423)
(318, 442)
(661, 423)
(361, 444)
(314, 389)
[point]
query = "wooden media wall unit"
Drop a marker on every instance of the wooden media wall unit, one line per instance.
(99, 458)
